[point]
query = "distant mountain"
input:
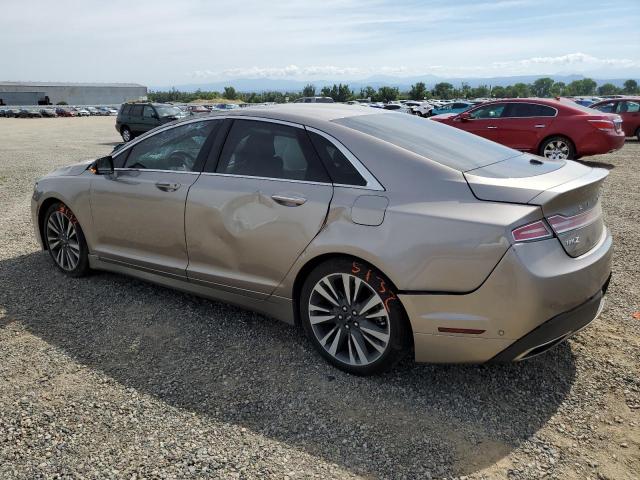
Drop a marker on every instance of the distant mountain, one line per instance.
(377, 81)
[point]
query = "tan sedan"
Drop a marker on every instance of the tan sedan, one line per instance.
(380, 233)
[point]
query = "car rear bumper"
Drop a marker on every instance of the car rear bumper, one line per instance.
(600, 143)
(533, 284)
(554, 331)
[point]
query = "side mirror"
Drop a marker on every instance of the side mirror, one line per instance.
(103, 166)
(465, 116)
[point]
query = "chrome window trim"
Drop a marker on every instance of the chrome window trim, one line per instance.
(372, 182)
(512, 103)
(153, 170)
(273, 179)
(265, 119)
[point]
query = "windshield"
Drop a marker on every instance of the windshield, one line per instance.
(166, 111)
(446, 145)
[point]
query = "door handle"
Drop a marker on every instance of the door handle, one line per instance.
(167, 187)
(491, 127)
(288, 200)
(540, 125)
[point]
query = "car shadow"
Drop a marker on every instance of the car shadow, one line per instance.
(591, 163)
(239, 367)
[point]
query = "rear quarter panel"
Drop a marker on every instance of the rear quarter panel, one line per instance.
(435, 235)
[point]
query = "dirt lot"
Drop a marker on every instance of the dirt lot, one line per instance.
(108, 377)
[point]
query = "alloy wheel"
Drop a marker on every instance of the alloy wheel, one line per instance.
(126, 135)
(63, 242)
(556, 150)
(349, 319)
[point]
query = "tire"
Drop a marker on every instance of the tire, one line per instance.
(638, 134)
(557, 148)
(127, 136)
(65, 241)
(338, 326)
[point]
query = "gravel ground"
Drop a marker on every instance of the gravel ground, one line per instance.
(109, 377)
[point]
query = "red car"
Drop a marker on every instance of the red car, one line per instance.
(65, 112)
(628, 108)
(552, 128)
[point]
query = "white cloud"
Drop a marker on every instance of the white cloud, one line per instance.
(569, 63)
(300, 72)
(580, 61)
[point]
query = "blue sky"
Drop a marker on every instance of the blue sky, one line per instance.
(163, 42)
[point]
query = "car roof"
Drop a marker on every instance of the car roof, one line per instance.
(312, 114)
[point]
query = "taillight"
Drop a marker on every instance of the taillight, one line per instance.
(532, 231)
(561, 224)
(602, 124)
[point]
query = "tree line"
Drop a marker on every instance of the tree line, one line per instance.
(542, 87)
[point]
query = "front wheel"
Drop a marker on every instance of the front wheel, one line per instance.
(353, 317)
(557, 148)
(638, 134)
(65, 241)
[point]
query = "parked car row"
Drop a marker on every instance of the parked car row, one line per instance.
(37, 112)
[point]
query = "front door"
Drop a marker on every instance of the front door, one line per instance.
(249, 217)
(138, 212)
(484, 121)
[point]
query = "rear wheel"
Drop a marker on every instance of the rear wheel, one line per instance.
(127, 136)
(353, 317)
(65, 241)
(557, 148)
(638, 134)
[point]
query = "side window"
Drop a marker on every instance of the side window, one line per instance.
(271, 150)
(609, 107)
(488, 111)
(174, 149)
(136, 111)
(524, 110)
(340, 169)
(147, 112)
(629, 107)
(126, 109)
(545, 111)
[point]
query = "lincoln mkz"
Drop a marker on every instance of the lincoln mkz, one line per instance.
(381, 234)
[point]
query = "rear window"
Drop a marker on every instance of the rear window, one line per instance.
(441, 143)
(577, 106)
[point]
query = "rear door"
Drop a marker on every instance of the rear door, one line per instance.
(135, 119)
(524, 125)
(252, 213)
(138, 212)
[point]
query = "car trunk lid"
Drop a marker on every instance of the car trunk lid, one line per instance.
(566, 191)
